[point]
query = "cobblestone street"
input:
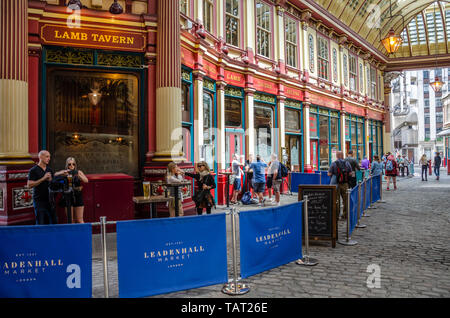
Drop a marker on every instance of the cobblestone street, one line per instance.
(407, 237)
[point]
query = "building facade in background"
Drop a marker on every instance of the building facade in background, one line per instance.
(418, 113)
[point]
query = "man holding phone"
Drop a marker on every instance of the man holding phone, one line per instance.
(39, 178)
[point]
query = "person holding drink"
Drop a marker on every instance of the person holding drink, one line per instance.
(205, 181)
(175, 175)
(75, 179)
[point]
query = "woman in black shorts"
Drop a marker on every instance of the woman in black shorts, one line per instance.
(78, 177)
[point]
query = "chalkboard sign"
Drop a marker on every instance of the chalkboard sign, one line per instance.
(322, 203)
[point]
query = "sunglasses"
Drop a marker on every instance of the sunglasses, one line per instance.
(71, 165)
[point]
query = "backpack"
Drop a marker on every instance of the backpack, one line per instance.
(389, 165)
(282, 171)
(342, 174)
(247, 198)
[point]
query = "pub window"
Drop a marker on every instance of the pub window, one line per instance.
(323, 141)
(263, 29)
(290, 27)
(322, 57)
(233, 112)
(208, 15)
(185, 102)
(186, 106)
(93, 116)
(232, 22)
(208, 128)
(292, 120)
(264, 133)
(353, 70)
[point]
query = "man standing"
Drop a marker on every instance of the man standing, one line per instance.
(276, 178)
(341, 169)
(259, 178)
(39, 178)
(437, 165)
(354, 166)
(237, 173)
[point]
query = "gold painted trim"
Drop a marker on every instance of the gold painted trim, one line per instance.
(25, 162)
(94, 26)
(85, 18)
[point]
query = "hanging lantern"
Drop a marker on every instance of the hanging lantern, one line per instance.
(392, 42)
(437, 84)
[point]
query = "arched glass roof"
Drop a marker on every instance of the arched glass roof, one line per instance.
(424, 24)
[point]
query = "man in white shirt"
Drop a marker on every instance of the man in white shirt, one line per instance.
(237, 173)
(276, 179)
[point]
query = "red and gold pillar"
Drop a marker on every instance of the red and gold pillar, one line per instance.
(15, 160)
(168, 83)
(165, 113)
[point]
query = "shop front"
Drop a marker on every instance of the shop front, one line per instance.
(92, 106)
(293, 135)
(354, 136)
(324, 136)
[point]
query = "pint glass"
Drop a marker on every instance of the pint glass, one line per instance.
(146, 187)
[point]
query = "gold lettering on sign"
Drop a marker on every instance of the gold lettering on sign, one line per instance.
(104, 38)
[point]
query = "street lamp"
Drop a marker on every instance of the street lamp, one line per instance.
(116, 8)
(392, 42)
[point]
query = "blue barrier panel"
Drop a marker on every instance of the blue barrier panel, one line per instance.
(270, 238)
(353, 209)
(46, 261)
(298, 178)
(325, 179)
(362, 202)
(376, 194)
(164, 255)
(368, 198)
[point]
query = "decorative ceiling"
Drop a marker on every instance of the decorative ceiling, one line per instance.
(423, 23)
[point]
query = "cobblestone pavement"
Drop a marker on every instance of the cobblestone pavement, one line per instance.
(408, 237)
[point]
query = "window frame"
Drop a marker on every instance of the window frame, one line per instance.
(353, 75)
(212, 13)
(269, 31)
(289, 19)
(320, 37)
(239, 18)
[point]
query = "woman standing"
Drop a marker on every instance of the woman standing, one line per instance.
(78, 177)
(377, 167)
(424, 162)
(205, 181)
(175, 175)
(391, 168)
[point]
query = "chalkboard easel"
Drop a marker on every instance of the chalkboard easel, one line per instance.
(321, 211)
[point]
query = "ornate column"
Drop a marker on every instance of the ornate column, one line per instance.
(306, 139)
(367, 134)
(15, 160)
(165, 109)
(198, 114)
(220, 135)
(168, 83)
(279, 45)
(387, 142)
(342, 119)
(249, 122)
